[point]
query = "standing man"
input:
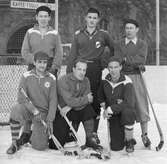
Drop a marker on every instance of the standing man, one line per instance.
(89, 44)
(133, 51)
(43, 37)
(37, 102)
(116, 95)
(75, 98)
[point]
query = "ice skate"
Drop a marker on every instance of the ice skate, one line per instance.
(130, 146)
(96, 137)
(13, 148)
(24, 138)
(146, 141)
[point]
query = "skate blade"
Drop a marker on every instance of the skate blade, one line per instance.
(148, 147)
(98, 156)
(106, 158)
(16, 155)
(106, 155)
(128, 154)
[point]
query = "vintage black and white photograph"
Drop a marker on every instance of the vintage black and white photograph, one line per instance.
(83, 81)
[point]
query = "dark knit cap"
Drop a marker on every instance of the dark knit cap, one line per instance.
(79, 60)
(93, 10)
(131, 21)
(43, 8)
(41, 56)
(115, 59)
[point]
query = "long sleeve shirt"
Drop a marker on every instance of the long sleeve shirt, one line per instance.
(73, 92)
(89, 47)
(41, 91)
(49, 43)
(111, 93)
(133, 55)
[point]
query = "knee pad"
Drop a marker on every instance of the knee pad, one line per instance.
(39, 137)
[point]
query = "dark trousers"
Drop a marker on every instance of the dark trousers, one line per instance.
(116, 127)
(61, 129)
(94, 73)
(116, 130)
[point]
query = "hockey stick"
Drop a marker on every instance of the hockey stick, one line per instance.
(161, 143)
(61, 148)
(57, 143)
(28, 99)
(108, 129)
(72, 128)
(108, 135)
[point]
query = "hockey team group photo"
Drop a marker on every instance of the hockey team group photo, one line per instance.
(83, 81)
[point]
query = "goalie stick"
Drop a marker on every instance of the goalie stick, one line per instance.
(81, 153)
(108, 136)
(57, 143)
(108, 131)
(161, 143)
(60, 147)
(72, 128)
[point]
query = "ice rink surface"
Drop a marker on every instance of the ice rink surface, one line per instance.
(27, 155)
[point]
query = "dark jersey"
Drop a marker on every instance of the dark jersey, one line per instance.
(89, 47)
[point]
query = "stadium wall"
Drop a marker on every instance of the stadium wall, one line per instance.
(156, 79)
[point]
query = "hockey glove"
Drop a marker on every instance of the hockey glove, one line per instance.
(65, 110)
(108, 113)
(53, 71)
(103, 105)
(141, 68)
(37, 116)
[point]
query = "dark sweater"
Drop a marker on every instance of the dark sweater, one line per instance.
(110, 92)
(89, 46)
(73, 92)
(135, 55)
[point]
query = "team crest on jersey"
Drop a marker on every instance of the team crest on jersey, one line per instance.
(47, 84)
(98, 44)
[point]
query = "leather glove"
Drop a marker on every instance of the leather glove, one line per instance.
(49, 127)
(119, 101)
(108, 113)
(65, 110)
(103, 105)
(141, 68)
(51, 70)
(37, 116)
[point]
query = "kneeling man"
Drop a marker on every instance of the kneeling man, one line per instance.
(116, 96)
(74, 94)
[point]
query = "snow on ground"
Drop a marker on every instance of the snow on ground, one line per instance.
(27, 155)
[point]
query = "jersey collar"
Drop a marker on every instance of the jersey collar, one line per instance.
(134, 41)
